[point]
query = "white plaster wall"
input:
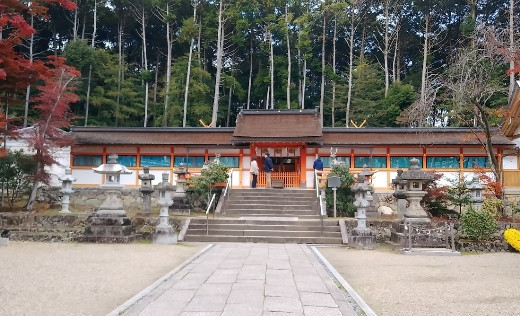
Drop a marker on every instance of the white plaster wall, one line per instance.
(380, 180)
(510, 162)
(246, 179)
(309, 178)
(235, 178)
(86, 177)
(62, 156)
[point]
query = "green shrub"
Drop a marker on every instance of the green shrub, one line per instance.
(212, 174)
(493, 206)
(344, 194)
(478, 224)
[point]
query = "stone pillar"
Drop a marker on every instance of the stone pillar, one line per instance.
(164, 232)
(146, 188)
(66, 190)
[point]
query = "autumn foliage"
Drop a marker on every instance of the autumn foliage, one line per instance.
(53, 79)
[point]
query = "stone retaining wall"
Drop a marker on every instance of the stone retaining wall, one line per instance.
(91, 198)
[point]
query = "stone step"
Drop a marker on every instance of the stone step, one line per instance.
(264, 221)
(245, 209)
(284, 201)
(264, 239)
(281, 228)
(264, 232)
(272, 193)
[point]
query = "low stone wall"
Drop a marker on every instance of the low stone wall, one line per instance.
(91, 198)
(66, 228)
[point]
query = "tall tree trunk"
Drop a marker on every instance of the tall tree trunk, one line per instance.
(424, 73)
(188, 72)
(288, 58)
(87, 101)
(75, 25)
(322, 86)
(28, 90)
(333, 106)
(145, 64)
(350, 67)
(220, 48)
(304, 75)
(156, 79)
(387, 46)
(34, 189)
(271, 68)
(119, 67)
(229, 105)
(169, 43)
(511, 46)
(299, 77)
(396, 69)
(250, 72)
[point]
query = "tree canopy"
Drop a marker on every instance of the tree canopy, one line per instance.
(381, 61)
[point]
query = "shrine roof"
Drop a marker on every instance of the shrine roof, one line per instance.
(278, 126)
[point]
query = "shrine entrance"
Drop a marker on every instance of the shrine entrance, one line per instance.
(287, 164)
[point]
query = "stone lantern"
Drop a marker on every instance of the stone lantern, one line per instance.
(415, 180)
(164, 233)
(361, 236)
(367, 175)
(112, 171)
(400, 193)
(110, 223)
(476, 188)
(146, 188)
(66, 190)
(181, 204)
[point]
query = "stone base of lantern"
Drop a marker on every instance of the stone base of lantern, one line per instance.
(180, 206)
(165, 235)
(399, 236)
(362, 238)
(109, 229)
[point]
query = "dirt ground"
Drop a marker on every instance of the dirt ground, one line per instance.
(395, 284)
(93, 279)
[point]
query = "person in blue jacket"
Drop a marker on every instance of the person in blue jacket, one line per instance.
(268, 167)
(318, 164)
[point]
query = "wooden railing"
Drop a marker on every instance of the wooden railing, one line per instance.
(290, 179)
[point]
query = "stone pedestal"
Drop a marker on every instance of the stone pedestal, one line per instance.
(181, 204)
(109, 229)
(110, 224)
(414, 213)
(4, 241)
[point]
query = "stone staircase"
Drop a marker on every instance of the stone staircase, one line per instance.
(266, 215)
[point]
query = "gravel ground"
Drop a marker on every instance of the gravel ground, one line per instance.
(93, 279)
(395, 284)
(81, 279)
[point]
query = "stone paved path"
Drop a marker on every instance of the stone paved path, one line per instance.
(244, 279)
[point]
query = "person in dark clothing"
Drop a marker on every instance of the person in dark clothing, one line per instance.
(318, 164)
(268, 167)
